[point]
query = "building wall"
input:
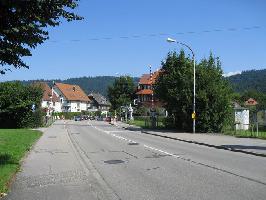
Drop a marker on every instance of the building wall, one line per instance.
(57, 107)
(83, 106)
(45, 104)
(74, 107)
(77, 106)
(242, 119)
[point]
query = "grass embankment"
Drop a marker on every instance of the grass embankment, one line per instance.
(14, 143)
(146, 124)
(247, 134)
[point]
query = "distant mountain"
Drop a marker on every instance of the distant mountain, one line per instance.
(249, 80)
(88, 84)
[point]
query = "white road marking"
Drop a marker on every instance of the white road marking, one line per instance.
(161, 151)
(131, 141)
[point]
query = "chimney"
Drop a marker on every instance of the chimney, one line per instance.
(74, 88)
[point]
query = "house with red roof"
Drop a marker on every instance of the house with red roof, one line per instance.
(50, 102)
(145, 89)
(251, 102)
(72, 97)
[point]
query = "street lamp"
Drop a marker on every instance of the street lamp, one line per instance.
(170, 40)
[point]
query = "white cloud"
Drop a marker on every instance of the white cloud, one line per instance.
(232, 73)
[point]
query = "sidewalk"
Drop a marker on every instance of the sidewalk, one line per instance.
(244, 145)
(54, 170)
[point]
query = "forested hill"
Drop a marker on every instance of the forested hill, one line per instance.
(88, 84)
(249, 80)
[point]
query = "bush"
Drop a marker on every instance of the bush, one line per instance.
(16, 102)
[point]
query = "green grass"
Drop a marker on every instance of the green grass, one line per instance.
(14, 143)
(246, 134)
(141, 123)
(250, 134)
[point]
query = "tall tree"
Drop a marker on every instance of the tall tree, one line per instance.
(121, 93)
(23, 25)
(175, 87)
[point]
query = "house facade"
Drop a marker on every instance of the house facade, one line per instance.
(72, 97)
(98, 103)
(50, 102)
(145, 89)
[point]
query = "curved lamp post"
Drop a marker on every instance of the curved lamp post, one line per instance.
(170, 40)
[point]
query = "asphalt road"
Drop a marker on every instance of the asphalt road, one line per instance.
(131, 165)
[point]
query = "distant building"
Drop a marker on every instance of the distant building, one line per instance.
(98, 103)
(50, 102)
(251, 102)
(72, 97)
(145, 89)
(241, 117)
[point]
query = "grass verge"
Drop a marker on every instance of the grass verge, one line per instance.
(14, 143)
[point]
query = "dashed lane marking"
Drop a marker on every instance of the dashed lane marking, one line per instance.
(131, 141)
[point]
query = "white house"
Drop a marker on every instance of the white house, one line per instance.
(98, 103)
(72, 97)
(50, 102)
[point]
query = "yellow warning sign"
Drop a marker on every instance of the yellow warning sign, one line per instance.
(193, 115)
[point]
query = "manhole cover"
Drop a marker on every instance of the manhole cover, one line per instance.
(114, 161)
(133, 143)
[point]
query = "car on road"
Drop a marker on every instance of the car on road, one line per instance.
(92, 118)
(108, 119)
(77, 118)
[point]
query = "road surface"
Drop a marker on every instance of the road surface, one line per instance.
(131, 165)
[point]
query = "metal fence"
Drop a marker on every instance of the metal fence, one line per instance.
(256, 130)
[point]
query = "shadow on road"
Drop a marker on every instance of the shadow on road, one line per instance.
(244, 147)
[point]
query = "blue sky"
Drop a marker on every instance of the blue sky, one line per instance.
(72, 52)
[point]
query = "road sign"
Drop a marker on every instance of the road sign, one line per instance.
(193, 115)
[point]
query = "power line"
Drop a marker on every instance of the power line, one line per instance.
(164, 34)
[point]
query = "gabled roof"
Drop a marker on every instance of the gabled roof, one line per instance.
(72, 92)
(101, 100)
(251, 102)
(145, 91)
(146, 79)
(47, 92)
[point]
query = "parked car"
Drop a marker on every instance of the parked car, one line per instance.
(77, 118)
(108, 119)
(99, 118)
(92, 118)
(84, 117)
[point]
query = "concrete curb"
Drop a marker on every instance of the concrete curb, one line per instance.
(208, 145)
(200, 143)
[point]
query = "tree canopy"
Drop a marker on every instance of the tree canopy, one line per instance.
(121, 93)
(213, 93)
(23, 26)
(16, 101)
